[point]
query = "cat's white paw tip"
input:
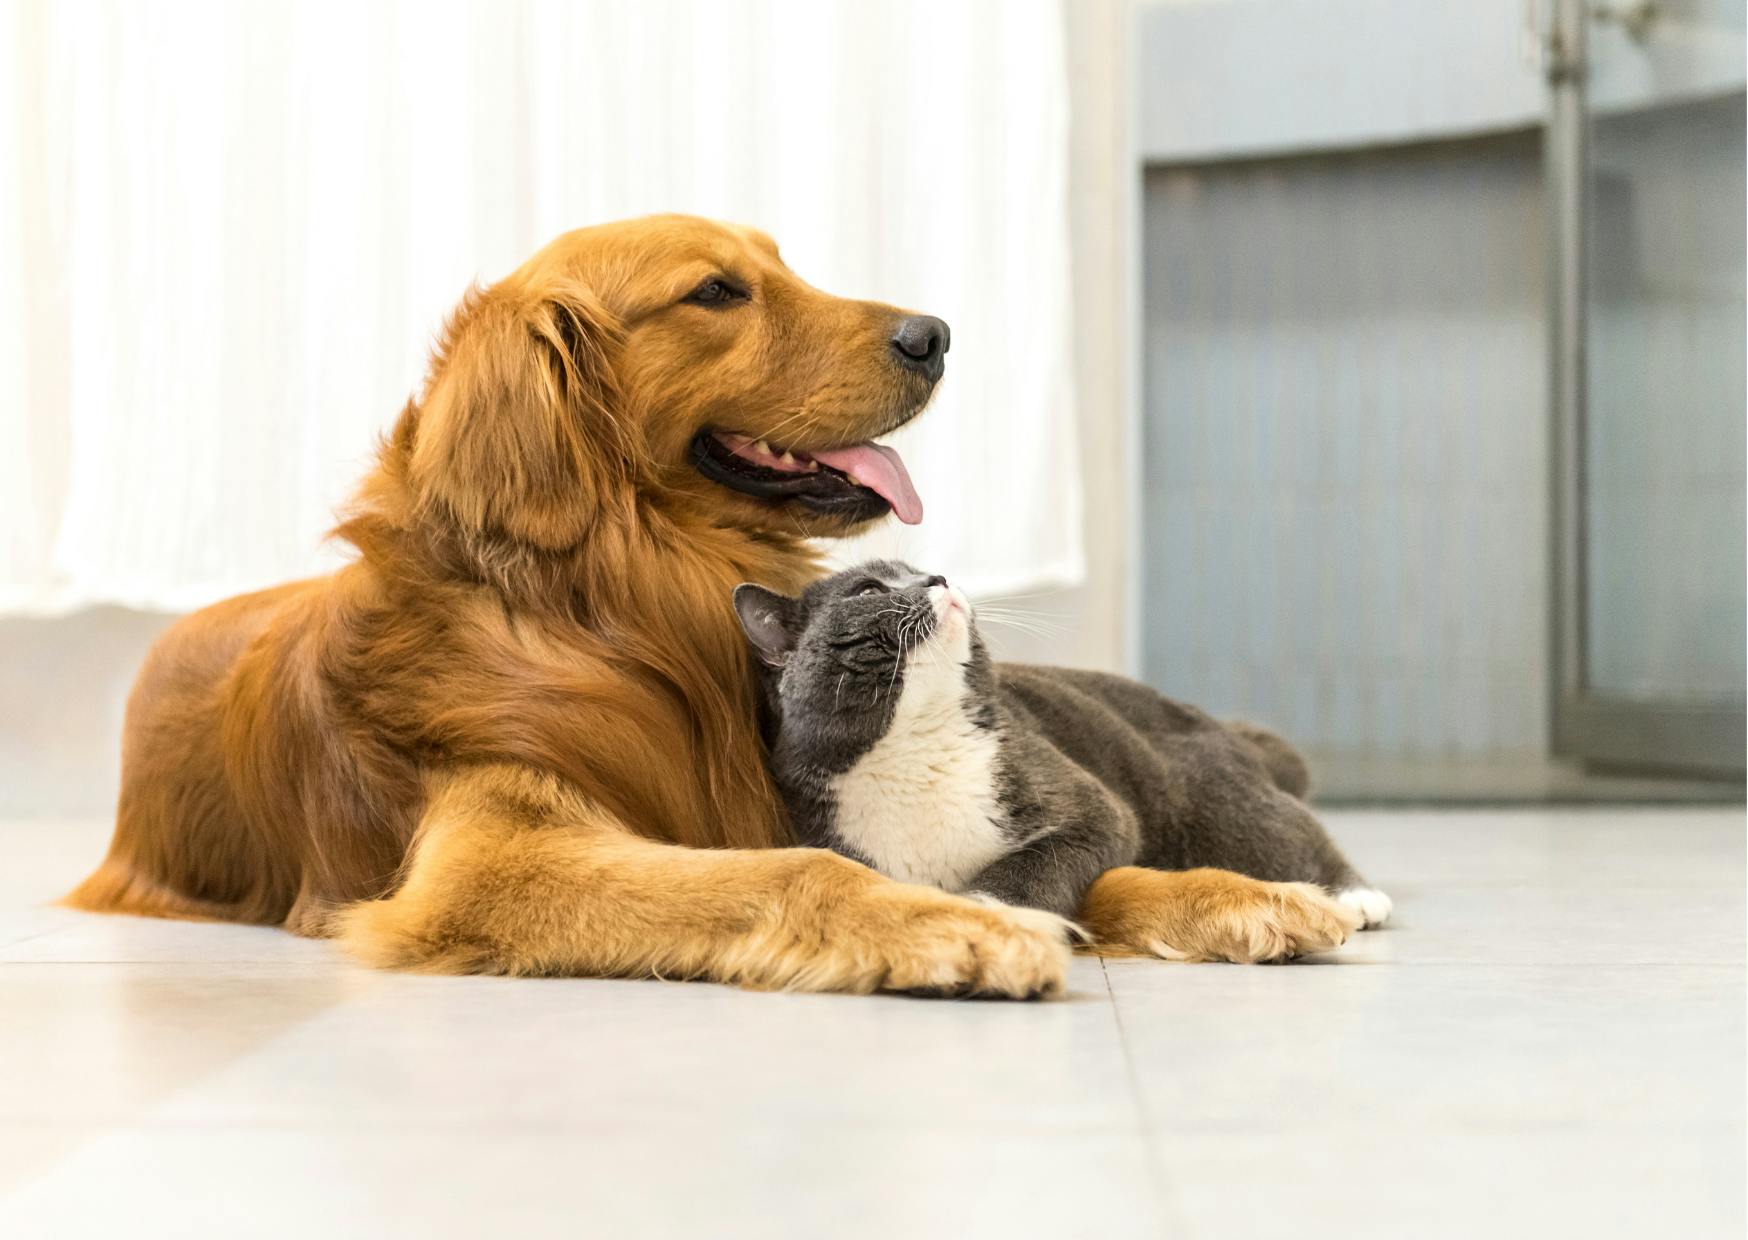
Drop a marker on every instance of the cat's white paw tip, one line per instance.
(1370, 903)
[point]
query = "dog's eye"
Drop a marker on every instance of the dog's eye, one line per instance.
(870, 587)
(715, 292)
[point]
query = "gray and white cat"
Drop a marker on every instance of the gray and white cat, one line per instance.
(895, 740)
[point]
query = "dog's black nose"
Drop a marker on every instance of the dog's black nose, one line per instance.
(936, 580)
(921, 343)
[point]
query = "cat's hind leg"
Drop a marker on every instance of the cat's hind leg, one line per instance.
(1221, 805)
(1285, 765)
(1300, 835)
(1307, 853)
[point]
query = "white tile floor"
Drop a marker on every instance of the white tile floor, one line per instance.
(1548, 1042)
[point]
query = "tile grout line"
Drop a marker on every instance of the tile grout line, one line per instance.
(29, 938)
(1158, 1188)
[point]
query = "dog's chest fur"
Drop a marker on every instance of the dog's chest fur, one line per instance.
(922, 803)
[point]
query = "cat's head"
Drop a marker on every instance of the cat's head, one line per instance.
(841, 655)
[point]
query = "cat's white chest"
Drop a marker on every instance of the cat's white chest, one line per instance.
(921, 804)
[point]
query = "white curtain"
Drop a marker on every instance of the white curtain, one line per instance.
(228, 232)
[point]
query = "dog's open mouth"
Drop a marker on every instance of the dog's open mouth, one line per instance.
(861, 481)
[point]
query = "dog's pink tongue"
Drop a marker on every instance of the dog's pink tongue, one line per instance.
(882, 470)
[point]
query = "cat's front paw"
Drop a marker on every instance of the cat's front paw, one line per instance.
(1372, 905)
(1212, 915)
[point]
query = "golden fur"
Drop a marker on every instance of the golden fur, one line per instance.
(1207, 914)
(516, 734)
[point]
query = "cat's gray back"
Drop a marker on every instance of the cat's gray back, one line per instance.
(1112, 727)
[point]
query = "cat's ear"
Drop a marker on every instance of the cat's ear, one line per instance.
(768, 619)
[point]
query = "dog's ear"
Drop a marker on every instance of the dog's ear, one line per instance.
(769, 620)
(520, 428)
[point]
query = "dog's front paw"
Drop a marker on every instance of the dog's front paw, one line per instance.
(1281, 920)
(1213, 915)
(1042, 920)
(968, 948)
(921, 940)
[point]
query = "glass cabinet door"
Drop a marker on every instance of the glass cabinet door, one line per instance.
(1646, 181)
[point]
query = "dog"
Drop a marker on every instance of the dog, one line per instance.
(517, 734)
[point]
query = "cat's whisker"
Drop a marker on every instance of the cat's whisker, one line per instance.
(1022, 626)
(1039, 633)
(1019, 613)
(1018, 597)
(1008, 605)
(1017, 626)
(1014, 613)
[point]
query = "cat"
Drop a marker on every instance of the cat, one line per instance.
(896, 741)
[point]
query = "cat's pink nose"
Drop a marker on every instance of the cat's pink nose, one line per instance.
(948, 600)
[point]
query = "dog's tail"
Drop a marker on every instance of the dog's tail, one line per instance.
(1286, 765)
(116, 887)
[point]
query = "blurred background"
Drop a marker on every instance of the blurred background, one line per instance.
(1374, 370)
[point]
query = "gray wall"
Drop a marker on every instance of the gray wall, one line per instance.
(1344, 517)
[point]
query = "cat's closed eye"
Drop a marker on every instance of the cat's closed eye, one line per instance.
(870, 587)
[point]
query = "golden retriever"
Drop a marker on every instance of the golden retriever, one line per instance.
(517, 734)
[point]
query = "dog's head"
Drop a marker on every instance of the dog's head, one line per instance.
(681, 359)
